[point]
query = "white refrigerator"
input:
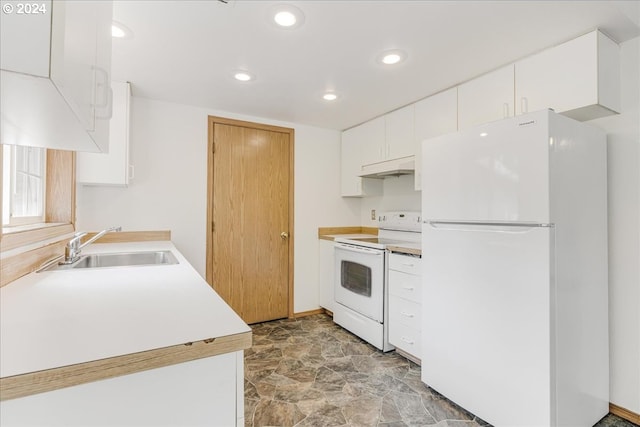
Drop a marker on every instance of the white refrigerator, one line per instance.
(514, 249)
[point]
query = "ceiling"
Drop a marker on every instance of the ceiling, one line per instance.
(186, 51)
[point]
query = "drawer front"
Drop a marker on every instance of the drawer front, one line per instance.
(406, 339)
(405, 285)
(406, 263)
(404, 312)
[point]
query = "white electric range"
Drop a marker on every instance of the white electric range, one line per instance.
(361, 290)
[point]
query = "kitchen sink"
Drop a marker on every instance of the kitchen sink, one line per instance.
(119, 259)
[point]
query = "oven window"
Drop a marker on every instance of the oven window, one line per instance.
(356, 278)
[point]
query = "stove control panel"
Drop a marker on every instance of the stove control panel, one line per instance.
(400, 220)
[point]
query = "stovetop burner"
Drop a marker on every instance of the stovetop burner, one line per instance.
(394, 228)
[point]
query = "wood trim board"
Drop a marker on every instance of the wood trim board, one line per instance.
(67, 376)
(131, 236)
(624, 413)
(327, 233)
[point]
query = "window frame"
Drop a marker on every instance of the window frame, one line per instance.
(16, 223)
(59, 208)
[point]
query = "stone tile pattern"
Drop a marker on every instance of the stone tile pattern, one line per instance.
(311, 372)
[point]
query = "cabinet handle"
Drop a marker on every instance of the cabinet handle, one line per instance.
(132, 172)
(408, 288)
(408, 264)
(404, 313)
(505, 110)
(408, 340)
(107, 94)
(524, 105)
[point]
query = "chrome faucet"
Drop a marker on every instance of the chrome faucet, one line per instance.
(74, 247)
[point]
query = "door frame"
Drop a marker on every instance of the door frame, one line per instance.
(212, 120)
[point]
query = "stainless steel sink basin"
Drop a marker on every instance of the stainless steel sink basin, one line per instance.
(120, 259)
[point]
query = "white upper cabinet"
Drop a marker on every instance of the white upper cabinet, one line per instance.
(358, 146)
(111, 168)
(434, 116)
(372, 139)
(31, 54)
(579, 78)
(486, 98)
(399, 132)
(56, 70)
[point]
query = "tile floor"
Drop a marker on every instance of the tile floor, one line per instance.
(311, 372)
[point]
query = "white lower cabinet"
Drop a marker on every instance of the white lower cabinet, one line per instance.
(326, 274)
(207, 391)
(405, 307)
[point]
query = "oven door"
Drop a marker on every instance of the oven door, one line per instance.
(359, 281)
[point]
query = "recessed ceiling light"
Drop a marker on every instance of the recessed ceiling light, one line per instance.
(391, 57)
(286, 16)
(329, 96)
(120, 31)
(243, 76)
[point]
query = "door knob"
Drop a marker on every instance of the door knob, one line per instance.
(284, 235)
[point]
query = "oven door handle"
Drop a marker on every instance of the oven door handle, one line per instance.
(359, 249)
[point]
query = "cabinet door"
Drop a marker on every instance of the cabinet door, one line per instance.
(487, 98)
(372, 137)
(110, 168)
(399, 130)
(326, 276)
(350, 182)
(355, 143)
(80, 72)
(581, 74)
(434, 116)
(103, 94)
(25, 39)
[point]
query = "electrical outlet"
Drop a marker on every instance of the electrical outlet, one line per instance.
(373, 214)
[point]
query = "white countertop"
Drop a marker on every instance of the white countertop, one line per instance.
(60, 318)
(408, 245)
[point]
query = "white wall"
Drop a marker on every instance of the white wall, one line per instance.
(623, 132)
(169, 151)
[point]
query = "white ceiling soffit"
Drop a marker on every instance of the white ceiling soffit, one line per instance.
(186, 51)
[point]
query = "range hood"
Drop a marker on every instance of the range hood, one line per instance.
(395, 167)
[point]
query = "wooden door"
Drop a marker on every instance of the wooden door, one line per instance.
(249, 248)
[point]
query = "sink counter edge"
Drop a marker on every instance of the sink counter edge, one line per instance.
(63, 328)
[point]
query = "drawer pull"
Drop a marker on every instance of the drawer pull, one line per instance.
(408, 288)
(408, 264)
(408, 340)
(404, 313)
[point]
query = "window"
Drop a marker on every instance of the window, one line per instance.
(23, 179)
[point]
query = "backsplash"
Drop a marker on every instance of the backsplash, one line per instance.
(398, 195)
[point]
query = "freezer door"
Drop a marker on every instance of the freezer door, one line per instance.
(486, 322)
(495, 172)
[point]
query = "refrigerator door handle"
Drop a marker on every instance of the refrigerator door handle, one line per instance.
(497, 227)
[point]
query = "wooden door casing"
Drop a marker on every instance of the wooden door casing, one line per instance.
(250, 204)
